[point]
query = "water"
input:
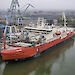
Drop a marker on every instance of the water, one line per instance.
(60, 61)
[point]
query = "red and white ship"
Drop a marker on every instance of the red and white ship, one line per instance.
(32, 41)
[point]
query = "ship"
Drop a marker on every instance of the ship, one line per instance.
(32, 41)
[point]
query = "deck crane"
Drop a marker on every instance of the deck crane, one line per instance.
(64, 18)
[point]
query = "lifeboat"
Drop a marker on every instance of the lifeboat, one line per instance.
(58, 33)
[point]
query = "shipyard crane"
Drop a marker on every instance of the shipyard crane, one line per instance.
(20, 16)
(14, 16)
(28, 5)
(13, 13)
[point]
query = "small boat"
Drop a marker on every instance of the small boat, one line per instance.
(58, 33)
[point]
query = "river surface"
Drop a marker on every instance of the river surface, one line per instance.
(59, 61)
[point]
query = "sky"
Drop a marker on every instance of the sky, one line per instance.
(42, 4)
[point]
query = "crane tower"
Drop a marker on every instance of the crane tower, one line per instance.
(13, 13)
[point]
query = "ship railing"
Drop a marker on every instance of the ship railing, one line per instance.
(54, 38)
(63, 35)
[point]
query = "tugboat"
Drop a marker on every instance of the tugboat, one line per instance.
(32, 41)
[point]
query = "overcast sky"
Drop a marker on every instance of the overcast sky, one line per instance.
(42, 4)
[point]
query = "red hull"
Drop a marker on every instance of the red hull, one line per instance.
(27, 52)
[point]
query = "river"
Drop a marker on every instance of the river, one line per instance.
(59, 61)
